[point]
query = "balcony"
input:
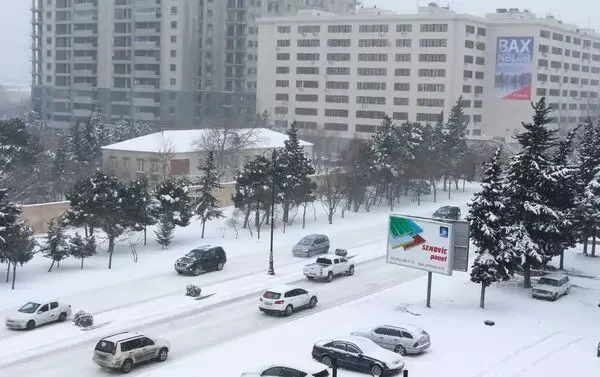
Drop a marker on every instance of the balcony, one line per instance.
(85, 6)
(84, 72)
(87, 100)
(81, 112)
(84, 33)
(85, 46)
(147, 17)
(147, 59)
(146, 46)
(146, 74)
(82, 86)
(145, 88)
(145, 116)
(146, 32)
(144, 102)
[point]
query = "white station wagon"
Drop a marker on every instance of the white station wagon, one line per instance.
(551, 286)
(122, 351)
(34, 314)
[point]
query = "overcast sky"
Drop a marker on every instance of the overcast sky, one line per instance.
(15, 28)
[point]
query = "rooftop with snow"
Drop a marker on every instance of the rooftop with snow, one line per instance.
(187, 141)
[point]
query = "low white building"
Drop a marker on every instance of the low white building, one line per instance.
(183, 152)
(341, 74)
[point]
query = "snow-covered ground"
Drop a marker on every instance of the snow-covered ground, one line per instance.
(225, 334)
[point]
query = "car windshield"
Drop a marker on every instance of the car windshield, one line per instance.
(30, 307)
(105, 346)
(324, 261)
(273, 295)
(323, 373)
(445, 210)
(306, 241)
(195, 254)
(546, 281)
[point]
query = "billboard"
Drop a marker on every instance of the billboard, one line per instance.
(514, 68)
(420, 243)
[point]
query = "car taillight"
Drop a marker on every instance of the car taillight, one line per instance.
(114, 350)
(314, 349)
(279, 302)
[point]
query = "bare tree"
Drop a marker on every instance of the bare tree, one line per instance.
(226, 138)
(331, 191)
(165, 154)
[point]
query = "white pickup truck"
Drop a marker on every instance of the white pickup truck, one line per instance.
(327, 268)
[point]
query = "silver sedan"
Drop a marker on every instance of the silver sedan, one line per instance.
(400, 339)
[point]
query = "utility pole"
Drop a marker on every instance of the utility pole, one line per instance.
(271, 270)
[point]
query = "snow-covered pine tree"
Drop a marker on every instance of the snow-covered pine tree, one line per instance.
(587, 159)
(174, 199)
(206, 203)
(9, 217)
(95, 135)
(562, 196)
(140, 128)
(408, 139)
(20, 244)
(532, 221)
(61, 169)
(55, 247)
(293, 168)
(487, 216)
(383, 150)
(164, 233)
(82, 247)
(120, 131)
(455, 141)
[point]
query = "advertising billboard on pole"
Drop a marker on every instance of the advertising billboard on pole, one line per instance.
(420, 243)
(514, 68)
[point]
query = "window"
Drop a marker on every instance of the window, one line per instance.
(400, 116)
(373, 28)
(337, 99)
(140, 165)
(469, 44)
(431, 88)
(401, 101)
(307, 98)
(173, 24)
(173, 39)
(434, 28)
(282, 70)
(479, 60)
(307, 70)
(309, 29)
(541, 92)
(282, 83)
(428, 117)
(130, 345)
(370, 114)
(403, 42)
(275, 371)
(340, 113)
(402, 72)
(404, 28)
(557, 37)
(44, 309)
(338, 43)
(307, 56)
(402, 87)
(372, 71)
(281, 97)
(337, 85)
(173, 53)
(309, 42)
(307, 84)
(339, 28)
(373, 43)
(283, 43)
(372, 57)
(430, 102)
(53, 305)
(283, 56)
(305, 111)
(339, 57)
(557, 50)
(173, 67)
(352, 349)
(470, 29)
(172, 81)
(479, 75)
(173, 10)
(338, 71)
(433, 43)
(432, 72)
(481, 31)
(432, 58)
(335, 126)
(544, 34)
(370, 100)
(281, 110)
(402, 57)
(370, 85)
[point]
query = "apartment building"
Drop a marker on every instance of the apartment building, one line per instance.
(166, 62)
(340, 75)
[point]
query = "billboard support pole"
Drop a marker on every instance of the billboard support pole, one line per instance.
(429, 278)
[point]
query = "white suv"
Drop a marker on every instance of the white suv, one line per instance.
(123, 350)
(285, 300)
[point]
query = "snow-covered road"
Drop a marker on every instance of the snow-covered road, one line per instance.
(219, 323)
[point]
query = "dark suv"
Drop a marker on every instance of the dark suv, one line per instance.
(447, 213)
(201, 259)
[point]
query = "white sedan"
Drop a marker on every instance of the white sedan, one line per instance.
(286, 299)
(35, 314)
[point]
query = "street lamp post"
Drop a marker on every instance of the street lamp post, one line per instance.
(271, 270)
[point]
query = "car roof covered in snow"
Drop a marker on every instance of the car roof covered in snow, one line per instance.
(361, 342)
(310, 367)
(281, 288)
(554, 276)
(411, 328)
(121, 336)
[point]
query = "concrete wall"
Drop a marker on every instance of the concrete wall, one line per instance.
(38, 215)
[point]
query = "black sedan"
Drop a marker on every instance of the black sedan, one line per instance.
(358, 353)
(447, 213)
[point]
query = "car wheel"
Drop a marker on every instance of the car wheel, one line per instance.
(567, 291)
(289, 310)
(62, 317)
(30, 325)
(313, 302)
(162, 355)
(197, 270)
(327, 361)
(376, 370)
(555, 297)
(400, 349)
(309, 277)
(351, 271)
(219, 266)
(127, 365)
(330, 276)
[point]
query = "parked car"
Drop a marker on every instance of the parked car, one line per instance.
(358, 353)
(551, 286)
(447, 213)
(285, 300)
(34, 314)
(202, 259)
(124, 350)
(598, 355)
(312, 370)
(404, 340)
(311, 245)
(326, 268)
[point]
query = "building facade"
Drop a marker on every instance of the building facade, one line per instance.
(156, 61)
(341, 74)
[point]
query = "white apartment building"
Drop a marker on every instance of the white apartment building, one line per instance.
(341, 74)
(161, 61)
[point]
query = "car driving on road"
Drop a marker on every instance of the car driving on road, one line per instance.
(358, 353)
(124, 350)
(285, 300)
(311, 245)
(447, 213)
(286, 370)
(201, 259)
(406, 339)
(326, 268)
(34, 314)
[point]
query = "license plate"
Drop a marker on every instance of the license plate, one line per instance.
(268, 303)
